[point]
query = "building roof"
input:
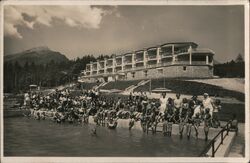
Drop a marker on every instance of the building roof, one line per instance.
(151, 48)
(139, 51)
(194, 45)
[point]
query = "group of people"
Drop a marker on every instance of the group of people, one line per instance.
(63, 106)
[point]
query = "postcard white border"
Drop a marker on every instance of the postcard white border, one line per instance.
(134, 159)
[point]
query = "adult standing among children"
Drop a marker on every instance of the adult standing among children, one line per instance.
(163, 102)
(208, 103)
(216, 110)
(177, 107)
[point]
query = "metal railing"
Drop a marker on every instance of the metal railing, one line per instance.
(211, 144)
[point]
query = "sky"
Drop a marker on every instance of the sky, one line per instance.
(76, 31)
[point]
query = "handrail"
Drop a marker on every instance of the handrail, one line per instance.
(211, 144)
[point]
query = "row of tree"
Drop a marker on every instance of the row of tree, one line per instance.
(235, 68)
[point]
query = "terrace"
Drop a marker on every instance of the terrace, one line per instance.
(167, 60)
(139, 64)
(128, 67)
(87, 73)
(101, 64)
(94, 72)
(152, 53)
(94, 66)
(151, 63)
(110, 62)
(118, 61)
(109, 70)
(139, 56)
(202, 57)
(183, 59)
(166, 51)
(128, 58)
(101, 71)
(88, 68)
(118, 68)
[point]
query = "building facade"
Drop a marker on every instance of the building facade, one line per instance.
(170, 60)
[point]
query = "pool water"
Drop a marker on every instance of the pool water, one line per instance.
(29, 137)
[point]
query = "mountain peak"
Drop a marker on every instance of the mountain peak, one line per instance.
(38, 55)
(37, 49)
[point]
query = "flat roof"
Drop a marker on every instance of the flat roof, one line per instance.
(151, 48)
(194, 45)
(139, 51)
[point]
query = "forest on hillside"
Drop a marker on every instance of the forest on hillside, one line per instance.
(232, 69)
(17, 78)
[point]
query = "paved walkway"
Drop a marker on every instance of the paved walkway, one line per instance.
(238, 147)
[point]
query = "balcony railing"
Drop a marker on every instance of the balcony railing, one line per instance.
(109, 65)
(198, 62)
(166, 54)
(118, 63)
(153, 57)
(139, 59)
(181, 62)
(128, 61)
(101, 71)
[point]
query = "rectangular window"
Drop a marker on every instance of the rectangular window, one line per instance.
(133, 74)
(160, 71)
(184, 68)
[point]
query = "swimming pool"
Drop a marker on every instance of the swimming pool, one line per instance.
(29, 137)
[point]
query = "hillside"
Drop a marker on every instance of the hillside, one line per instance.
(235, 84)
(38, 55)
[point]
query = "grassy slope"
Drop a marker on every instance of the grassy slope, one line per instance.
(235, 84)
(192, 88)
(121, 85)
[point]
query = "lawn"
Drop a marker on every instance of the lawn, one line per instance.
(191, 88)
(121, 85)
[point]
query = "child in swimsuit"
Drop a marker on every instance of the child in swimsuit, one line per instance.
(207, 122)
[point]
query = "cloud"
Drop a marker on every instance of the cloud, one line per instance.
(73, 16)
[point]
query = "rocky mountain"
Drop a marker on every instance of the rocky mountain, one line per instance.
(38, 55)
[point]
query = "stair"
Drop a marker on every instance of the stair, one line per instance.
(100, 85)
(132, 87)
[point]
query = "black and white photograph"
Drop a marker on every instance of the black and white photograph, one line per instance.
(124, 81)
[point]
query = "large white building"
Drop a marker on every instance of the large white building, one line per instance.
(171, 60)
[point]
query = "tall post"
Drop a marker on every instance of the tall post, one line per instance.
(213, 152)
(97, 67)
(133, 60)
(145, 58)
(150, 86)
(158, 55)
(122, 64)
(221, 142)
(190, 54)
(173, 55)
(164, 84)
(105, 65)
(207, 59)
(91, 69)
(113, 64)
(172, 49)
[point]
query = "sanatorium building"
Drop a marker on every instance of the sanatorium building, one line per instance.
(170, 60)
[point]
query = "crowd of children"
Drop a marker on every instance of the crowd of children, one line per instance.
(63, 106)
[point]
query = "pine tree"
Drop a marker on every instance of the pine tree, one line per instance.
(239, 59)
